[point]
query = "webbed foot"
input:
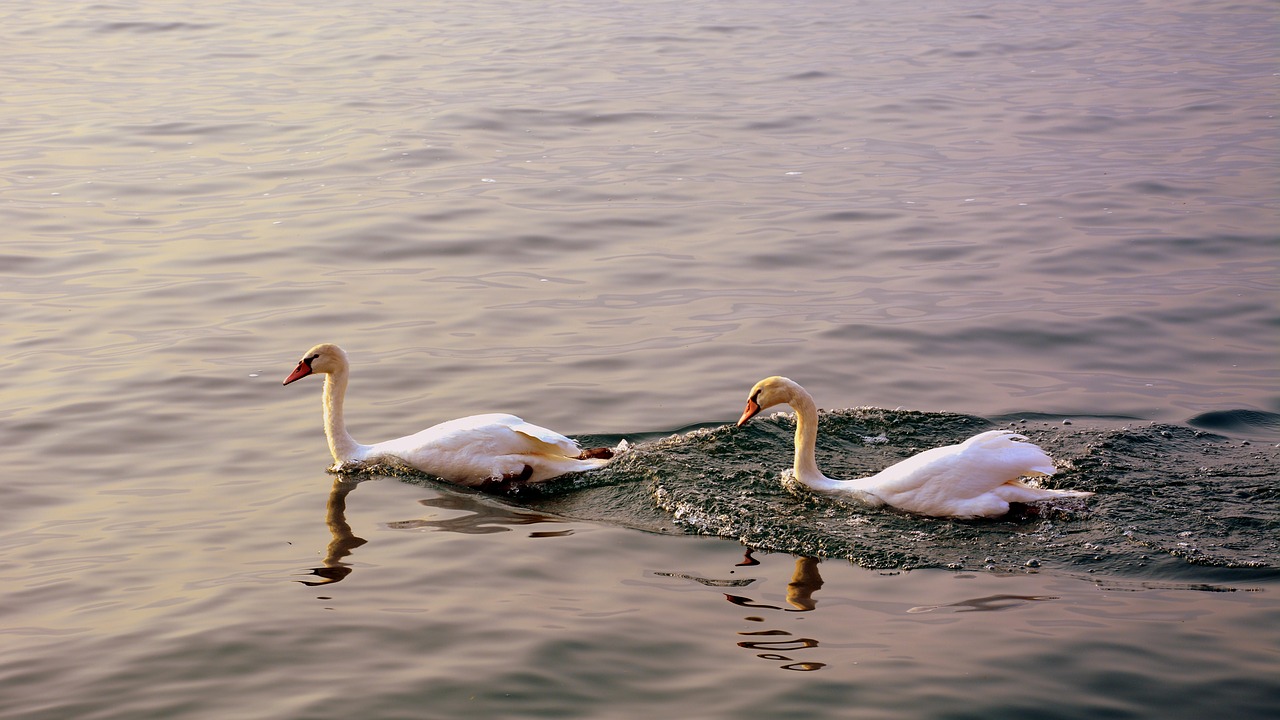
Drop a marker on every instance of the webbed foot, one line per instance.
(508, 483)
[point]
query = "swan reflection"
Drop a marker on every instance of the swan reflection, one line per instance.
(485, 516)
(344, 540)
(805, 581)
(770, 644)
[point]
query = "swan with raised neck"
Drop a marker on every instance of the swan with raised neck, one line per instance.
(976, 478)
(477, 450)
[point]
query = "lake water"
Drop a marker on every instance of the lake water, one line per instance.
(612, 218)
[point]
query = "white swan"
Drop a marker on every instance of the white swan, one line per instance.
(478, 450)
(977, 478)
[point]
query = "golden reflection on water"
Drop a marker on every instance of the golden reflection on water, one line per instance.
(344, 540)
(805, 581)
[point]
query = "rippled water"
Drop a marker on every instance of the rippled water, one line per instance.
(612, 219)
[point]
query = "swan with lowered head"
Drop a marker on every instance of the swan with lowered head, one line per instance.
(478, 450)
(976, 478)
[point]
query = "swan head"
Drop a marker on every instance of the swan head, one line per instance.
(323, 358)
(770, 391)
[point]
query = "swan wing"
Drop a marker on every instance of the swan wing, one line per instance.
(549, 441)
(944, 480)
(481, 448)
(493, 434)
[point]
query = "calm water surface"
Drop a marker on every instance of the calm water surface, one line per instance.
(612, 218)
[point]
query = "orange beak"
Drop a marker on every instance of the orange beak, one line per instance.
(750, 412)
(299, 372)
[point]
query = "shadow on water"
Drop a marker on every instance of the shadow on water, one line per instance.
(483, 517)
(1172, 503)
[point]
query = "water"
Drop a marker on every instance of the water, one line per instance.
(612, 219)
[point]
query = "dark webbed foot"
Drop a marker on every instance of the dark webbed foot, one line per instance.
(522, 476)
(596, 454)
(508, 483)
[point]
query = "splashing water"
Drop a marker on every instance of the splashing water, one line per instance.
(1169, 499)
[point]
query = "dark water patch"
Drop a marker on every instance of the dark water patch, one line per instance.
(857, 216)
(190, 129)
(1221, 247)
(1014, 420)
(146, 28)
(1162, 266)
(930, 104)
(526, 119)
(446, 216)
(425, 157)
(233, 55)
(727, 29)
(412, 239)
(1208, 107)
(1155, 187)
(809, 75)
(23, 263)
(663, 39)
(1239, 422)
(1097, 126)
(794, 122)
(625, 221)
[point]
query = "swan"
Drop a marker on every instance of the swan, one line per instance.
(478, 451)
(976, 478)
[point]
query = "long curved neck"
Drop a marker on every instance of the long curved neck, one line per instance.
(341, 445)
(806, 464)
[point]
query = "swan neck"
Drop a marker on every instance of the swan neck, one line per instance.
(341, 445)
(806, 463)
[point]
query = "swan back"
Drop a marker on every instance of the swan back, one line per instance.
(483, 435)
(972, 467)
(975, 478)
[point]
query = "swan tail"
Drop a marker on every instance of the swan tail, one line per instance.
(1017, 448)
(1019, 491)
